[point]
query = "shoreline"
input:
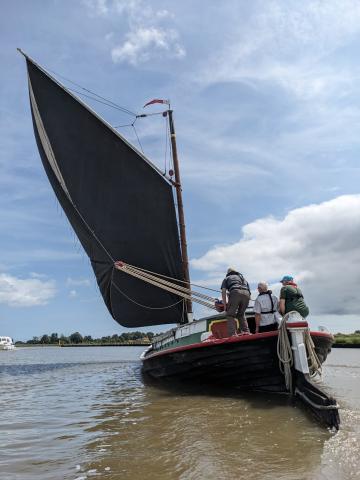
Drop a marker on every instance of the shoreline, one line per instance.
(346, 345)
(66, 345)
(83, 345)
(106, 345)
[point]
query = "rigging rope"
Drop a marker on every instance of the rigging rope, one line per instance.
(164, 282)
(125, 125)
(151, 278)
(110, 103)
(172, 278)
(100, 101)
(140, 304)
(137, 136)
(166, 143)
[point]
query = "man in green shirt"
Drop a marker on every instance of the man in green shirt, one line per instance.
(291, 298)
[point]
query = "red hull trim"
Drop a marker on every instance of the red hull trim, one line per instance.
(220, 341)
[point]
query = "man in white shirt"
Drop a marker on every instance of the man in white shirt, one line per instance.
(266, 306)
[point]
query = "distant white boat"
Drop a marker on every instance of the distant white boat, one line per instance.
(6, 343)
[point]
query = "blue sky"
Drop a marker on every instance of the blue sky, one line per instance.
(266, 99)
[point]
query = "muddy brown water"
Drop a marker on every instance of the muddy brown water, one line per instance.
(80, 413)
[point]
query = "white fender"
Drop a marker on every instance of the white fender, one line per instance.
(298, 341)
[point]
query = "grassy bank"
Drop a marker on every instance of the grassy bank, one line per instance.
(351, 340)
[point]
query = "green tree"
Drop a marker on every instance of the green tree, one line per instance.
(76, 337)
(54, 338)
(137, 335)
(64, 339)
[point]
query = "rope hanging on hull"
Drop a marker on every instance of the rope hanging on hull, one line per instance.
(314, 362)
(285, 353)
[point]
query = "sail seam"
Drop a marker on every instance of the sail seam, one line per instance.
(46, 142)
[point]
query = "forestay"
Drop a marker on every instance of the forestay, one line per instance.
(118, 203)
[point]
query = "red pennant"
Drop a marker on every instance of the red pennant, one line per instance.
(156, 100)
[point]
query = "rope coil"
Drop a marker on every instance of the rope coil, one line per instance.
(285, 353)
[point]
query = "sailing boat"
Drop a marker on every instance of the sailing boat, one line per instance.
(122, 209)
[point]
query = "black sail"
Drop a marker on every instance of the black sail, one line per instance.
(118, 203)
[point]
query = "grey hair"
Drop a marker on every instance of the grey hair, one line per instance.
(263, 286)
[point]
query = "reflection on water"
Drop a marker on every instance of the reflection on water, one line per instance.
(199, 436)
(82, 413)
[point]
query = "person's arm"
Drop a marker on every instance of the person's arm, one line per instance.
(277, 309)
(282, 306)
(282, 301)
(257, 310)
(257, 321)
(223, 294)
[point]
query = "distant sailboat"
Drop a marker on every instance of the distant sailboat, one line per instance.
(121, 207)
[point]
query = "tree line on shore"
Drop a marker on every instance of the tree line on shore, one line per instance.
(77, 338)
(351, 338)
(137, 337)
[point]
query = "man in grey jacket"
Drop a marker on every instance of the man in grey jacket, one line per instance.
(239, 296)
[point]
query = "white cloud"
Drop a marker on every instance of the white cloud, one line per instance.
(73, 294)
(18, 292)
(97, 7)
(37, 275)
(290, 43)
(149, 35)
(145, 43)
(318, 244)
(14, 256)
(78, 282)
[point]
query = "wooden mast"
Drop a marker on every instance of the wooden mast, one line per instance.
(185, 260)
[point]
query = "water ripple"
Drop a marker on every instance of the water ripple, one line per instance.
(69, 414)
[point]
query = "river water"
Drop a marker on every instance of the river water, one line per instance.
(76, 413)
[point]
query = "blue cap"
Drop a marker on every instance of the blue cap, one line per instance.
(287, 278)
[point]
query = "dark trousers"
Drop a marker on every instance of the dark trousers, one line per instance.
(268, 328)
(237, 304)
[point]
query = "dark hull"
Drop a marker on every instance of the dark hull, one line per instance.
(248, 362)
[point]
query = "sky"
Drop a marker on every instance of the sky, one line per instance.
(266, 98)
